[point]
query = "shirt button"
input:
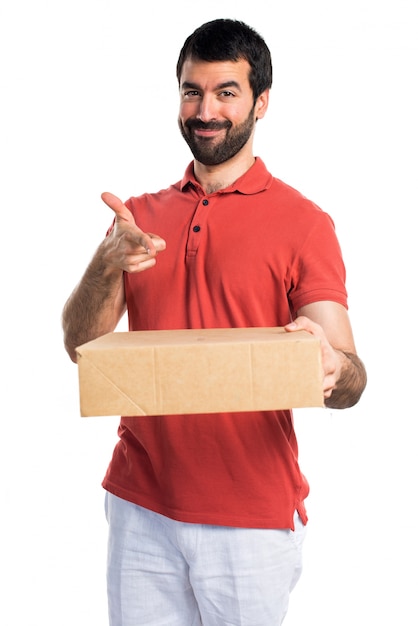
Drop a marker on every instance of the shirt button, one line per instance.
(196, 229)
(205, 202)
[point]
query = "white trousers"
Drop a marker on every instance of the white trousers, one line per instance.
(167, 573)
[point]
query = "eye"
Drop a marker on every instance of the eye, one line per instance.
(226, 94)
(191, 93)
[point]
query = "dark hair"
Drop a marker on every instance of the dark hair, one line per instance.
(230, 40)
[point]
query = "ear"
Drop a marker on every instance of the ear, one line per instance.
(261, 104)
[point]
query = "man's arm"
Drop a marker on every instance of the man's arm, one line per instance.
(98, 302)
(95, 306)
(344, 373)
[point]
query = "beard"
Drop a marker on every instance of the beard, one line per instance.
(206, 150)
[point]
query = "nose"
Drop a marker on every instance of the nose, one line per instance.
(207, 109)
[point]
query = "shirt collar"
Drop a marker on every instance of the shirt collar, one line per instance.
(256, 179)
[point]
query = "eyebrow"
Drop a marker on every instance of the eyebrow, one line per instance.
(229, 83)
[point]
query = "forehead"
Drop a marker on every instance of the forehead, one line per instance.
(210, 74)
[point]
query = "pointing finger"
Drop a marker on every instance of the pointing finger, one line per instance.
(123, 213)
(114, 203)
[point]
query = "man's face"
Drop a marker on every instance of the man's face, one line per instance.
(217, 112)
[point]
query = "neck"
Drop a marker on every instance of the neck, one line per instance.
(215, 177)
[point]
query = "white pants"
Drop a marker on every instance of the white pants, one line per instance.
(167, 573)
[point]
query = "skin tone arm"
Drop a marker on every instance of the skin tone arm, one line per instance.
(344, 373)
(98, 302)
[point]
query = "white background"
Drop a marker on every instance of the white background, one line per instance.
(89, 103)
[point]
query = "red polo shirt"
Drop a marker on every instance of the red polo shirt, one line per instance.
(248, 255)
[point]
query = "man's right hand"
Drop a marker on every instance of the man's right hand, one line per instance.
(128, 247)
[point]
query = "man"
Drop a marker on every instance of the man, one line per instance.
(206, 512)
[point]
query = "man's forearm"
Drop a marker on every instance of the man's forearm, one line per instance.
(350, 385)
(95, 306)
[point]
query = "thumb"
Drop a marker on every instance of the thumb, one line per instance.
(123, 213)
(120, 210)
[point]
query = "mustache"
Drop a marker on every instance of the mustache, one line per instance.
(194, 124)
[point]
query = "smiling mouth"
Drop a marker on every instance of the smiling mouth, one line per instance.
(206, 133)
(209, 131)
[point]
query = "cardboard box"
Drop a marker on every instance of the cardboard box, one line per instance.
(199, 371)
